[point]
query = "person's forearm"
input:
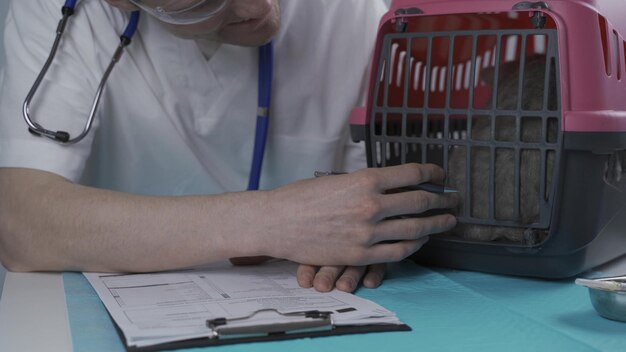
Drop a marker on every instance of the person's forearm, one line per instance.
(48, 223)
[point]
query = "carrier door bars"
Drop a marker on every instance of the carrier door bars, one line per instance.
(467, 208)
(391, 62)
(546, 202)
(446, 128)
(518, 126)
(408, 64)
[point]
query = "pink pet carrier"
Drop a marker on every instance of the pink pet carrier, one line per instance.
(442, 68)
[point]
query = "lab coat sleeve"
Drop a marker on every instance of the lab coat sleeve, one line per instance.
(64, 97)
(354, 153)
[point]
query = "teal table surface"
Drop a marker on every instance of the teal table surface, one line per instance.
(448, 310)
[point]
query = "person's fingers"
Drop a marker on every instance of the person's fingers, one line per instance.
(415, 202)
(408, 175)
(326, 277)
(305, 275)
(350, 278)
(394, 252)
(375, 275)
(412, 228)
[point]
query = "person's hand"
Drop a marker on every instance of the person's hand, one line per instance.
(345, 279)
(350, 220)
(326, 278)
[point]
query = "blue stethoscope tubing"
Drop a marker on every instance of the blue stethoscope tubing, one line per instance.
(266, 63)
(266, 59)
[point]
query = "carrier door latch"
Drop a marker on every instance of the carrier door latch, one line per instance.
(538, 18)
(400, 19)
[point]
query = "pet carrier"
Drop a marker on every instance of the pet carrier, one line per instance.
(524, 105)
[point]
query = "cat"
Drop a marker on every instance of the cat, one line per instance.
(504, 175)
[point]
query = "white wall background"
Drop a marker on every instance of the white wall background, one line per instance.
(4, 4)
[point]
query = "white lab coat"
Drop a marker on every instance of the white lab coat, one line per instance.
(172, 122)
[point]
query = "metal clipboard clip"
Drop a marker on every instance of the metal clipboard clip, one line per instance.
(314, 321)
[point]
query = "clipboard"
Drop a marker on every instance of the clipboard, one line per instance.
(316, 324)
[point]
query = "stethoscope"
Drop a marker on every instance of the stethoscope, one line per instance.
(266, 59)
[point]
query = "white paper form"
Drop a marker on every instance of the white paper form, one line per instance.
(173, 306)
